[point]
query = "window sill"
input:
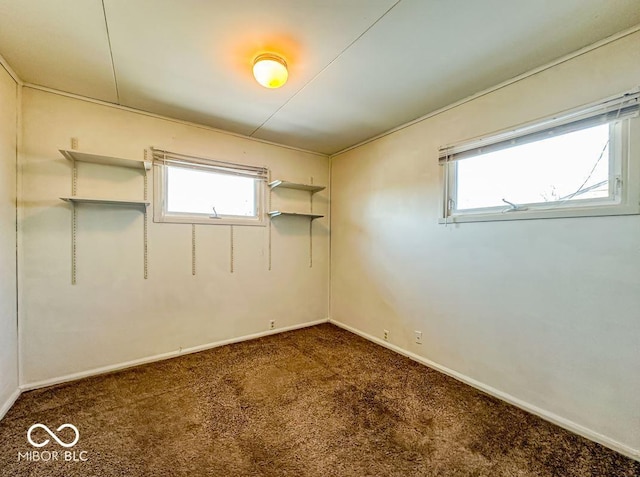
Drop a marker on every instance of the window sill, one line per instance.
(209, 221)
(594, 211)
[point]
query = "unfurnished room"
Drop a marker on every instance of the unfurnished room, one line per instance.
(316, 238)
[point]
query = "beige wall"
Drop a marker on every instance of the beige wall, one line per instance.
(8, 321)
(113, 315)
(546, 312)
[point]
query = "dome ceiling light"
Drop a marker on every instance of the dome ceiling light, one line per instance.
(270, 71)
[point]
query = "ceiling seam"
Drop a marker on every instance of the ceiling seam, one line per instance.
(113, 66)
(325, 67)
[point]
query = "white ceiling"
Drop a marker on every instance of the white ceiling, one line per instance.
(357, 67)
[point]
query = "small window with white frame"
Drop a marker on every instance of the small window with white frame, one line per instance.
(204, 191)
(584, 162)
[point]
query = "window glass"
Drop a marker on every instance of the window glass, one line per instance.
(570, 167)
(195, 191)
(203, 191)
(584, 162)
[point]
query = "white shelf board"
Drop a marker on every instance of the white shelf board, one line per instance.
(96, 200)
(107, 160)
(296, 185)
(276, 213)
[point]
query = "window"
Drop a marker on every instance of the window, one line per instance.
(195, 190)
(576, 164)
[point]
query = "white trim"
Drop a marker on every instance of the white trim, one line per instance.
(204, 219)
(167, 118)
(533, 72)
(161, 215)
(544, 414)
(159, 357)
(623, 198)
(4, 409)
(330, 251)
(19, 237)
(574, 211)
(11, 71)
(20, 211)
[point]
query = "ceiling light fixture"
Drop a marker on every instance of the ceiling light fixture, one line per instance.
(270, 71)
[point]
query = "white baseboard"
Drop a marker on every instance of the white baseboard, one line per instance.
(546, 415)
(9, 402)
(160, 357)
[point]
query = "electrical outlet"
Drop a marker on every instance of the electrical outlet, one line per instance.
(272, 324)
(418, 337)
(386, 335)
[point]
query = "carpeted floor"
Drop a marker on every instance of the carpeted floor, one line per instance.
(314, 402)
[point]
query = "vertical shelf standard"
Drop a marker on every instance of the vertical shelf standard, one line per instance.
(312, 189)
(76, 156)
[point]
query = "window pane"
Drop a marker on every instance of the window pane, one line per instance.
(573, 166)
(197, 191)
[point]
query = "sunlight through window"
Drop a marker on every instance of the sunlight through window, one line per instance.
(570, 167)
(577, 163)
(194, 191)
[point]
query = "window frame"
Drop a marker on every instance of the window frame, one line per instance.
(624, 196)
(162, 215)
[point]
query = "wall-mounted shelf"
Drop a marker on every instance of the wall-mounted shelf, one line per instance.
(74, 156)
(311, 189)
(107, 160)
(94, 200)
(294, 185)
(276, 213)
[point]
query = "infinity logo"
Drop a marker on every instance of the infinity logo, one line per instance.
(46, 429)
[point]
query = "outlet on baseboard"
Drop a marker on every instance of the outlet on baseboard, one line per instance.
(385, 335)
(418, 336)
(272, 324)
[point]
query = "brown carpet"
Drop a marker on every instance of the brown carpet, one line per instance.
(314, 402)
